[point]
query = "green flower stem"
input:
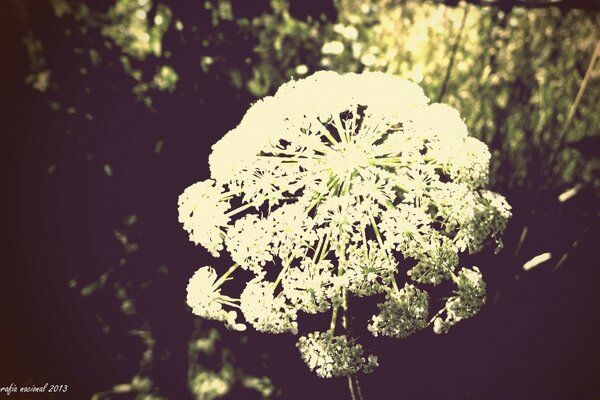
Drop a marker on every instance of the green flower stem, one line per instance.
(230, 301)
(333, 184)
(227, 196)
(280, 276)
(325, 248)
(345, 187)
(336, 306)
(439, 313)
(314, 203)
(344, 291)
(239, 209)
(394, 284)
(364, 236)
(377, 234)
(333, 319)
(326, 133)
(395, 161)
(345, 305)
(351, 388)
(224, 277)
(337, 122)
(315, 255)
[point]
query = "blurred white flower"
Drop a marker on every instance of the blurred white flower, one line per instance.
(349, 32)
(334, 47)
(301, 69)
(368, 60)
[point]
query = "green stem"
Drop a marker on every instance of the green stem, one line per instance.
(337, 122)
(351, 388)
(377, 234)
(315, 255)
(224, 277)
(326, 133)
(325, 248)
(314, 203)
(280, 276)
(239, 209)
(333, 319)
(344, 291)
(397, 161)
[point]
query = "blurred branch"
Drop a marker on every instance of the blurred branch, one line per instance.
(573, 108)
(509, 4)
(453, 54)
(582, 87)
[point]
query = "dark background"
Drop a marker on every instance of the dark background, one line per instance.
(65, 265)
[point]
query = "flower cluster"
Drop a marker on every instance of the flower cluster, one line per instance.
(331, 356)
(468, 299)
(402, 314)
(340, 186)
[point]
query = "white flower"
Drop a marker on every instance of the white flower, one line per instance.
(293, 231)
(331, 356)
(310, 286)
(265, 311)
(205, 298)
(202, 213)
(406, 229)
(447, 126)
(249, 241)
(468, 299)
(368, 269)
(402, 314)
(341, 185)
(436, 262)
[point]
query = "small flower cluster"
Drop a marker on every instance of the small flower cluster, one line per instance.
(403, 313)
(331, 356)
(468, 299)
(339, 185)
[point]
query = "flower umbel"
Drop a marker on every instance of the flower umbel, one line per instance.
(343, 185)
(331, 356)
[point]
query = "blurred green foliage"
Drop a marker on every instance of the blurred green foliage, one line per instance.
(514, 75)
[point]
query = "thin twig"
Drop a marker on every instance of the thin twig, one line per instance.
(351, 388)
(573, 109)
(568, 4)
(358, 388)
(453, 54)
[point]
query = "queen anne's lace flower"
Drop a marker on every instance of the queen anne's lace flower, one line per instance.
(202, 213)
(368, 269)
(248, 241)
(206, 300)
(310, 287)
(402, 314)
(339, 185)
(436, 262)
(468, 299)
(331, 356)
(265, 311)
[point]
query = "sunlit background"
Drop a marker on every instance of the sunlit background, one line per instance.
(109, 111)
